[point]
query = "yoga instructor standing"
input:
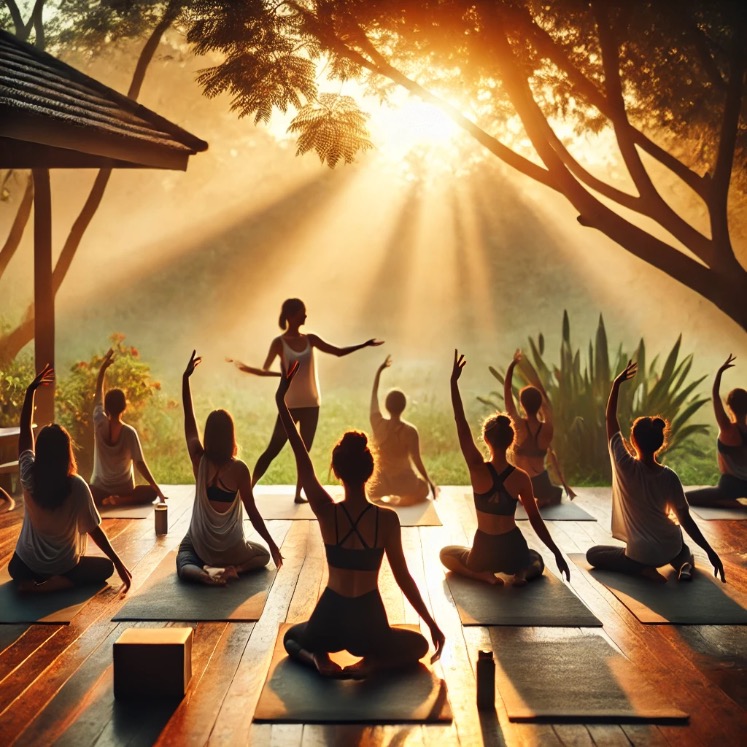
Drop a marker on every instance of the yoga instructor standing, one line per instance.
(303, 398)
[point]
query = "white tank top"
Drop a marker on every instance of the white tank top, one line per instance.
(304, 389)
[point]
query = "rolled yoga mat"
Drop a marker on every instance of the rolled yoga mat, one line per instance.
(294, 693)
(575, 679)
(37, 607)
(544, 602)
(165, 597)
(702, 601)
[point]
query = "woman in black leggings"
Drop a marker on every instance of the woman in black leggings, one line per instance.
(350, 614)
(303, 397)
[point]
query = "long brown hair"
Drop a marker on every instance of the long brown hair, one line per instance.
(54, 465)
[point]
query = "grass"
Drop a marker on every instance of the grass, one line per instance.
(166, 453)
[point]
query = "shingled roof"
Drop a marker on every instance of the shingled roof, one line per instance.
(52, 115)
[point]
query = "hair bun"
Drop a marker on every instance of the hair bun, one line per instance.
(354, 441)
(659, 423)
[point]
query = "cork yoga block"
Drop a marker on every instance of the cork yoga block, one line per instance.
(152, 663)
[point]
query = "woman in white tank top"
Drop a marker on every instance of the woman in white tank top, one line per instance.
(303, 398)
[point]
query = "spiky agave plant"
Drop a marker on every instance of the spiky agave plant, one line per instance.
(578, 391)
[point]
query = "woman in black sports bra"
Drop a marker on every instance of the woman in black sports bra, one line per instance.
(534, 437)
(499, 546)
(350, 614)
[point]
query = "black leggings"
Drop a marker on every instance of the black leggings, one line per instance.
(358, 625)
(545, 492)
(611, 558)
(307, 418)
(89, 570)
(725, 494)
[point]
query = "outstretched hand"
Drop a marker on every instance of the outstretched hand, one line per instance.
(438, 639)
(517, 356)
(563, 567)
(44, 378)
(387, 362)
(285, 379)
(718, 566)
(728, 363)
(627, 373)
(459, 364)
(108, 359)
(194, 361)
(373, 343)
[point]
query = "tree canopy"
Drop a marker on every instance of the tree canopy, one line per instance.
(666, 77)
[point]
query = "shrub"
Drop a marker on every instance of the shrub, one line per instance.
(578, 393)
(14, 379)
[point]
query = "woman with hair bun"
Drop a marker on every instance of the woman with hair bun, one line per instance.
(350, 614)
(643, 492)
(303, 396)
(732, 448)
(534, 437)
(499, 546)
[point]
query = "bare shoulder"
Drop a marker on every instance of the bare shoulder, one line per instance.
(388, 518)
(518, 480)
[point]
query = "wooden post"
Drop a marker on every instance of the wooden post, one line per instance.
(43, 292)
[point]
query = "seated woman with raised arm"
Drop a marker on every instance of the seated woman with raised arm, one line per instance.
(732, 448)
(643, 492)
(59, 512)
(534, 436)
(397, 449)
(350, 614)
(499, 546)
(215, 549)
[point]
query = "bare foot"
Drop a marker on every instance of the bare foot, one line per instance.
(490, 578)
(110, 500)
(520, 579)
(209, 580)
(300, 499)
(53, 583)
(685, 572)
(328, 668)
(230, 573)
(360, 670)
(653, 575)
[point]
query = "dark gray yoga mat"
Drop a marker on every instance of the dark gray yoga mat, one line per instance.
(565, 511)
(708, 513)
(35, 607)
(544, 602)
(702, 601)
(576, 679)
(127, 512)
(293, 693)
(165, 597)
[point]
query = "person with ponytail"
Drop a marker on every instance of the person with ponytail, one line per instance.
(350, 613)
(59, 512)
(643, 492)
(732, 449)
(534, 436)
(215, 550)
(498, 486)
(303, 397)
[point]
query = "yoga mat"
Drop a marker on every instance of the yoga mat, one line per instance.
(561, 512)
(708, 513)
(577, 680)
(281, 506)
(544, 602)
(127, 512)
(31, 607)
(293, 693)
(165, 597)
(702, 601)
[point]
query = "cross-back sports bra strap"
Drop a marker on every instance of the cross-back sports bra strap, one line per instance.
(354, 526)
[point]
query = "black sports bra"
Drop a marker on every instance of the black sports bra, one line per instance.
(366, 558)
(530, 446)
(497, 500)
(216, 492)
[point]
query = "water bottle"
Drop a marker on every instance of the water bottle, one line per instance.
(485, 681)
(162, 518)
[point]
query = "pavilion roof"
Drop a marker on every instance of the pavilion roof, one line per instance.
(54, 116)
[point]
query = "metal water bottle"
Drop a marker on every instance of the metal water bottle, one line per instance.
(485, 681)
(162, 518)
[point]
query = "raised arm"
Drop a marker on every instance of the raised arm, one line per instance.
(317, 495)
(274, 352)
(508, 392)
(471, 453)
(375, 410)
(108, 360)
(405, 581)
(247, 498)
(526, 494)
(326, 347)
(26, 435)
(417, 460)
(613, 426)
(725, 426)
(194, 446)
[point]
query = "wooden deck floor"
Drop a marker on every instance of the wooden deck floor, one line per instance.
(56, 680)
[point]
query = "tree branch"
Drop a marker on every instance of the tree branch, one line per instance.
(19, 225)
(18, 25)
